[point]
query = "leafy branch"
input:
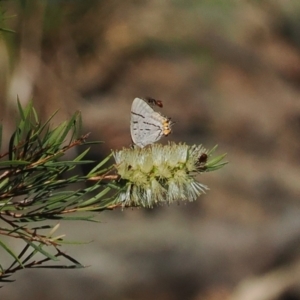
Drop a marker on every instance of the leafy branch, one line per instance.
(37, 184)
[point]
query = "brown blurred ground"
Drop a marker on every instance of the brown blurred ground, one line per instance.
(228, 73)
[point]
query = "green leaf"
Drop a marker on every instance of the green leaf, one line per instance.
(21, 111)
(67, 163)
(76, 266)
(35, 115)
(77, 218)
(4, 183)
(74, 261)
(54, 136)
(211, 151)
(216, 160)
(96, 198)
(80, 156)
(7, 30)
(68, 127)
(14, 163)
(27, 142)
(6, 205)
(103, 162)
(9, 251)
(40, 250)
(11, 147)
(215, 164)
(41, 129)
(20, 256)
(25, 124)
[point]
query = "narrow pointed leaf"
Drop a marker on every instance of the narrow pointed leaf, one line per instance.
(41, 250)
(10, 252)
(7, 30)
(21, 111)
(104, 161)
(95, 199)
(14, 163)
(68, 127)
(80, 156)
(46, 124)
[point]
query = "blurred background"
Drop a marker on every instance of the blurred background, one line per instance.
(228, 73)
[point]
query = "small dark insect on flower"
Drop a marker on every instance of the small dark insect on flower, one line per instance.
(203, 158)
(153, 101)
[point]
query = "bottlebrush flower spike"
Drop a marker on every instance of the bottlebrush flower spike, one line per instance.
(161, 174)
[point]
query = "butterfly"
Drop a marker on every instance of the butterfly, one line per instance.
(147, 126)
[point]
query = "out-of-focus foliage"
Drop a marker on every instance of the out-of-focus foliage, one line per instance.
(3, 19)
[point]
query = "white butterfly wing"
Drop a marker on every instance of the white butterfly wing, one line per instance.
(146, 125)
